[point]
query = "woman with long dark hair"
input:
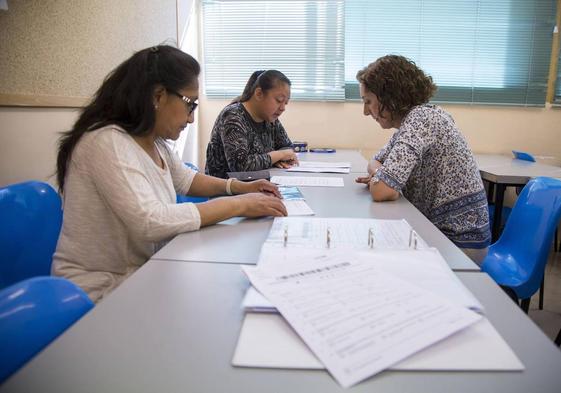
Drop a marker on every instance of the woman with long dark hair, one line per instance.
(247, 135)
(119, 178)
(427, 159)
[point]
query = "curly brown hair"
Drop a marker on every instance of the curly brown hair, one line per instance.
(398, 83)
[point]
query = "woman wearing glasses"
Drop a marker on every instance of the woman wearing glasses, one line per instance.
(119, 179)
(247, 135)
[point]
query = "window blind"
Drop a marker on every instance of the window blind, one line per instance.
(302, 39)
(477, 51)
(557, 98)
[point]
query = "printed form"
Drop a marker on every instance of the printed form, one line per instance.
(425, 268)
(323, 164)
(311, 232)
(298, 208)
(301, 181)
(355, 318)
(322, 169)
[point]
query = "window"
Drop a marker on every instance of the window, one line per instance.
(477, 51)
(484, 51)
(302, 39)
(557, 98)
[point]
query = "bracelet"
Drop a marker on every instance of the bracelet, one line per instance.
(229, 186)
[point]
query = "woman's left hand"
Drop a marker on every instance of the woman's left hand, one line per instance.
(364, 179)
(263, 186)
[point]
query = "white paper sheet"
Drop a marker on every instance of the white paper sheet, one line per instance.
(323, 164)
(425, 268)
(323, 169)
(298, 208)
(308, 181)
(267, 340)
(357, 319)
(311, 232)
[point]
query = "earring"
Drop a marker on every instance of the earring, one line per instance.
(156, 107)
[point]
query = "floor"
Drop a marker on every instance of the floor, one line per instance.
(549, 319)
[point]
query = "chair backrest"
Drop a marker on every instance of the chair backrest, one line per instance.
(528, 234)
(522, 155)
(30, 221)
(33, 313)
(192, 166)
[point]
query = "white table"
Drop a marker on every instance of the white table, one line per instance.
(172, 327)
(503, 171)
(239, 240)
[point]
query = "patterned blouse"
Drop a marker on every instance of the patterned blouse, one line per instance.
(428, 160)
(238, 143)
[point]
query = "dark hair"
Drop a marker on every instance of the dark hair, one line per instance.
(126, 97)
(398, 83)
(266, 80)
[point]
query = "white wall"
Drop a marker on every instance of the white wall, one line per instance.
(28, 138)
(54, 50)
(28, 135)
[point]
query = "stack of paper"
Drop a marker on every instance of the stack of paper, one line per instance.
(267, 340)
(424, 267)
(308, 181)
(361, 301)
(321, 167)
(357, 319)
(359, 233)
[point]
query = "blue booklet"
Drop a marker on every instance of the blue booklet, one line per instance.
(291, 193)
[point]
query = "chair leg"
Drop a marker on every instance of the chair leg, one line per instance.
(525, 305)
(558, 339)
(556, 241)
(542, 293)
(511, 294)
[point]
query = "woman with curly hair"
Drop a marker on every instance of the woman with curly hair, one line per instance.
(427, 159)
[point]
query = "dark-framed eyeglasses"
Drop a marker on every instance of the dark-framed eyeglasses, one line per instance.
(190, 104)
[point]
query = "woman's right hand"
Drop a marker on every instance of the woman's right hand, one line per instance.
(259, 205)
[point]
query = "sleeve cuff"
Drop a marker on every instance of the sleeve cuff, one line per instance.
(391, 181)
(194, 222)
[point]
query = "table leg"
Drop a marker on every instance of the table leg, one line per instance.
(490, 191)
(499, 199)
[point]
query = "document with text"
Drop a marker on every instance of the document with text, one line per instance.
(322, 169)
(301, 181)
(425, 268)
(357, 319)
(323, 164)
(360, 233)
(298, 208)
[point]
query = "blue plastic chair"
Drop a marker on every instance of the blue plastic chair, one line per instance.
(524, 156)
(30, 221)
(193, 199)
(33, 313)
(517, 260)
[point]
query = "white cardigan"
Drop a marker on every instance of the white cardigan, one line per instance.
(119, 209)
